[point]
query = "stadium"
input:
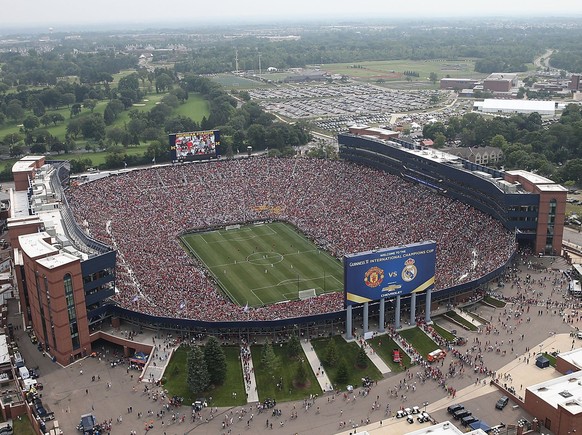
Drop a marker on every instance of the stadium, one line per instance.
(168, 247)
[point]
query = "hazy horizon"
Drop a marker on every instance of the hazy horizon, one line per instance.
(62, 14)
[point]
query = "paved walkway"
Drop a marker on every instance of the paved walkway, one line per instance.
(468, 318)
(251, 385)
(324, 381)
(375, 358)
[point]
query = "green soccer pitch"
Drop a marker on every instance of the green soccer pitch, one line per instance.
(262, 264)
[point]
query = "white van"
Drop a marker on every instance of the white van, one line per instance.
(29, 383)
(23, 372)
(18, 360)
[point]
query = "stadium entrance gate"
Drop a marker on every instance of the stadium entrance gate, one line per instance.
(397, 325)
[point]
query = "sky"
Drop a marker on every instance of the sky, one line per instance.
(186, 13)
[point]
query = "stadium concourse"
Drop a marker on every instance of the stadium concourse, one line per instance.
(539, 316)
(343, 207)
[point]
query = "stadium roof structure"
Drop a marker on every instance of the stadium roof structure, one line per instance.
(444, 428)
(43, 208)
(574, 357)
(492, 105)
(565, 391)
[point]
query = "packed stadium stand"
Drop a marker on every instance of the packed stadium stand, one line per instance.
(126, 226)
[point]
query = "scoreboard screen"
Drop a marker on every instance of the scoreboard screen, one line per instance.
(387, 273)
(194, 145)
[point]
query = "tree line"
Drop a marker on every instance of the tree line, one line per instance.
(552, 150)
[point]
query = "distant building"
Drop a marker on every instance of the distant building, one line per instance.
(377, 132)
(64, 277)
(575, 83)
(557, 403)
(480, 155)
(495, 106)
(308, 76)
(500, 82)
(458, 84)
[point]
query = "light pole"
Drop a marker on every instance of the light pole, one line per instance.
(425, 404)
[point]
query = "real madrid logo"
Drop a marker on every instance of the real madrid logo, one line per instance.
(374, 277)
(409, 272)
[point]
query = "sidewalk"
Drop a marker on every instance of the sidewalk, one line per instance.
(376, 360)
(324, 381)
(251, 385)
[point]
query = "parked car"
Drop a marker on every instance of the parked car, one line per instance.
(466, 421)
(502, 402)
(454, 408)
(461, 413)
(423, 417)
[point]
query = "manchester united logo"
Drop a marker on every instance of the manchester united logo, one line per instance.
(409, 272)
(374, 277)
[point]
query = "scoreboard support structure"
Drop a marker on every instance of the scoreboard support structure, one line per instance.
(381, 321)
(389, 273)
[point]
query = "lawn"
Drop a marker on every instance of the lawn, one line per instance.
(285, 371)
(392, 70)
(461, 321)
(419, 340)
(176, 375)
(195, 107)
(23, 426)
(476, 316)
(383, 345)
(492, 301)
(347, 352)
(264, 264)
(230, 81)
(550, 358)
(443, 332)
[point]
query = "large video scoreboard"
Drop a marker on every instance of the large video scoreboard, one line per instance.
(387, 273)
(195, 145)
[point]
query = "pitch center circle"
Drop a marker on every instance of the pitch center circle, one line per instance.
(264, 258)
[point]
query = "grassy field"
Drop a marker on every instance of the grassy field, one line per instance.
(347, 352)
(384, 345)
(419, 340)
(492, 301)
(265, 264)
(392, 70)
(195, 107)
(443, 332)
(286, 370)
(230, 81)
(460, 320)
(176, 375)
(23, 426)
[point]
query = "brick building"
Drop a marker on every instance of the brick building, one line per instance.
(500, 82)
(457, 84)
(64, 277)
(557, 403)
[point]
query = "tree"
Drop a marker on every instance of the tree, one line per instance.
(75, 110)
(38, 148)
(440, 140)
(30, 123)
(433, 77)
(163, 83)
(331, 355)
(215, 361)
(56, 118)
(294, 346)
(198, 377)
(301, 374)
(46, 120)
(115, 135)
(68, 98)
(12, 139)
(269, 360)
(14, 110)
(362, 358)
(90, 104)
(342, 374)
(16, 150)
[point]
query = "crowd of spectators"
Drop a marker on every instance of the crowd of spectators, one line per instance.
(342, 207)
